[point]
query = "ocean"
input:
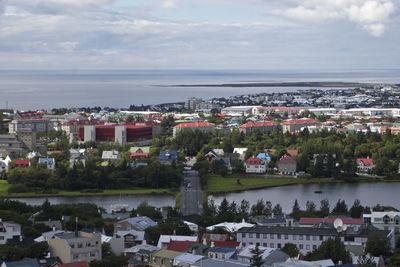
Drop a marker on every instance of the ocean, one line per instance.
(25, 90)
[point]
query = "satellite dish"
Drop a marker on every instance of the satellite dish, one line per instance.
(339, 229)
(344, 227)
(338, 223)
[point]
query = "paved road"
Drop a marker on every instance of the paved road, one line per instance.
(191, 202)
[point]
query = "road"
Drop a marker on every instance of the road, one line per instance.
(191, 202)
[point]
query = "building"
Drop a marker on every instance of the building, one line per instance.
(139, 152)
(22, 163)
(73, 247)
(268, 255)
(164, 240)
(77, 156)
(255, 165)
(294, 126)
(262, 126)
(219, 263)
(17, 145)
(22, 263)
(50, 163)
(202, 126)
(241, 151)
(365, 165)
(287, 165)
(223, 253)
(384, 220)
(31, 125)
(230, 227)
(5, 164)
(139, 223)
(238, 110)
(168, 157)
(110, 155)
(8, 231)
(279, 110)
(187, 260)
(164, 258)
(328, 221)
(306, 239)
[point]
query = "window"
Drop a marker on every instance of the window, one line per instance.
(80, 245)
(72, 245)
(250, 243)
(272, 245)
(272, 236)
(265, 236)
(314, 247)
(300, 237)
(244, 244)
(257, 243)
(265, 245)
(250, 235)
(279, 245)
(286, 236)
(92, 254)
(321, 238)
(307, 247)
(314, 238)
(301, 246)
(243, 234)
(76, 256)
(307, 237)
(279, 236)
(294, 237)
(257, 235)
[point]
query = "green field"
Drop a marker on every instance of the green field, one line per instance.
(218, 184)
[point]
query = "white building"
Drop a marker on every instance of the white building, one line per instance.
(384, 220)
(8, 231)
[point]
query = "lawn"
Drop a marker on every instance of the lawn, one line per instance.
(4, 185)
(218, 184)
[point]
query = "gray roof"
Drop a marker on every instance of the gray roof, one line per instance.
(289, 230)
(23, 263)
(221, 250)
(141, 223)
(276, 256)
(220, 263)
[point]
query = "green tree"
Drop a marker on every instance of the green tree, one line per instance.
(256, 260)
(333, 249)
(356, 210)
(324, 207)
(377, 245)
(291, 249)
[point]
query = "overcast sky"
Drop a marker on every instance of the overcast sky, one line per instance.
(199, 34)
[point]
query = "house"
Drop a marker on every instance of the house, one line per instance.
(5, 164)
(139, 152)
(22, 263)
(255, 165)
(131, 238)
(22, 163)
(50, 163)
(115, 242)
(294, 262)
(384, 220)
(202, 126)
(164, 240)
(46, 236)
(163, 258)
(287, 165)
(292, 152)
(215, 153)
(144, 248)
(110, 155)
(229, 227)
(328, 221)
(262, 126)
(307, 239)
(187, 260)
(53, 224)
(219, 263)
(168, 157)
(77, 156)
(365, 165)
(72, 247)
(241, 151)
(141, 257)
(180, 246)
(138, 223)
(9, 231)
(269, 255)
(221, 252)
(294, 126)
(264, 156)
(192, 226)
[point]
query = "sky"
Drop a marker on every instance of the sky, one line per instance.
(200, 34)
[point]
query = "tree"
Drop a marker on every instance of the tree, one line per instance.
(256, 260)
(324, 208)
(333, 249)
(356, 210)
(277, 210)
(291, 249)
(377, 245)
(310, 207)
(340, 208)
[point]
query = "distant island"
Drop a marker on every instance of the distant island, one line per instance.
(282, 84)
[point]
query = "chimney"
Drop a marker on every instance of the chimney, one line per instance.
(204, 241)
(212, 244)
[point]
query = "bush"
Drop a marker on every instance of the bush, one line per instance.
(18, 188)
(91, 191)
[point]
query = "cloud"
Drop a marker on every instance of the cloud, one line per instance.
(371, 15)
(169, 3)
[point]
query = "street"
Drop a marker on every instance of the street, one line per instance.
(191, 202)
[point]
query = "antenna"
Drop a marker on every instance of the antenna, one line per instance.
(344, 227)
(338, 224)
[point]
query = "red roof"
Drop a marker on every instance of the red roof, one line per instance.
(258, 124)
(254, 161)
(286, 159)
(330, 220)
(75, 264)
(195, 124)
(292, 152)
(139, 154)
(226, 244)
(366, 161)
(302, 122)
(180, 246)
(22, 162)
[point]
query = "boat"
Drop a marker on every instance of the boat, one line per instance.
(318, 192)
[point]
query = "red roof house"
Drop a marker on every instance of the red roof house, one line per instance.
(305, 221)
(287, 165)
(180, 246)
(365, 165)
(22, 163)
(255, 165)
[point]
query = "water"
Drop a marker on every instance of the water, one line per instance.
(369, 194)
(106, 201)
(120, 88)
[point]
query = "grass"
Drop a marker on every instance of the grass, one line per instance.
(218, 184)
(4, 186)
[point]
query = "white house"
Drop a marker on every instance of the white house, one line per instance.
(255, 165)
(5, 164)
(110, 155)
(9, 230)
(241, 151)
(164, 240)
(50, 163)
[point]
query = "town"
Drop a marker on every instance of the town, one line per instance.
(191, 150)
